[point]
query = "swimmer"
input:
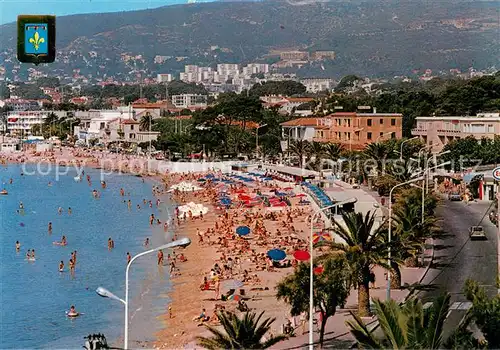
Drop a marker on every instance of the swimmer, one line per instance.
(71, 265)
(50, 228)
(122, 192)
(73, 256)
(110, 243)
(160, 257)
(61, 266)
(18, 246)
(72, 312)
(49, 184)
(32, 254)
(151, 219)
(128, 258)
(138, 207)
(158, 222)
(69, 211)
(21, 205)
(63, 240)
(11, 181)
(146, 242)
(60, 210)
(129, 204)
(165, 226)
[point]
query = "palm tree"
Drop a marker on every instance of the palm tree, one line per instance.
(315, 150)
(410, 326)
(364, 247)
(244, 333)
(379, 152)
(299, 148)
(333, 151)
(146, 122)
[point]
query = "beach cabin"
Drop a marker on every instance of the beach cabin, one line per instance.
(240, 167)
(8, 147)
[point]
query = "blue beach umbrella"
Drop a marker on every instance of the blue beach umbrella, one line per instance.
(225, 201)
(276, 254)
(243, 230)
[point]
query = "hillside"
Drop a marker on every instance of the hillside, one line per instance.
(375, 38)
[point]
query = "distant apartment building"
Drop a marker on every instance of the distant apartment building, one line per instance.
(317, 85)
(164, 78)
(228, 69)
(255, 68)
(189, 101)
(196, 74)
(353, 130)
(294, 56)
(437, 131)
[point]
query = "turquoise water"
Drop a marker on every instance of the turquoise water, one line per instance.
(34, 295)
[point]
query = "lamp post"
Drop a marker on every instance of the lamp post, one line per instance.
(384, 134)
(427, 174)
(402, 143)
(311, 269)
(184, 242)
(390, 231)
(257, 138)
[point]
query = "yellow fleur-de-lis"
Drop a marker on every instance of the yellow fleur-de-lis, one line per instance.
(36, 41)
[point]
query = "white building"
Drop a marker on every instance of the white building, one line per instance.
(228, 70)
(314, 85)
(255, 68)
(196, 74)
(164, 78)
(22, 122)
(189, 101)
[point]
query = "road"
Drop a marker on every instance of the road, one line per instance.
(456, 258)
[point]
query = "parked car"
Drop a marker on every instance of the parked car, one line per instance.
(454, 196)
(476, 233)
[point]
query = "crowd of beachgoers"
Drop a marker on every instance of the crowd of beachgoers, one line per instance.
(245, 233)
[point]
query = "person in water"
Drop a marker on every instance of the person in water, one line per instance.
(110, 243)
(50, 228)
(160, 257)
(60, 210)
(28, 254)
(21, 205)
(129, 204)
(18, 246)
(73, 256)
(69, 211)
(71, 265)
(61, 266)
(146, 242)
(128, 258)
(72, 311)
(33, 254)
(63, 241)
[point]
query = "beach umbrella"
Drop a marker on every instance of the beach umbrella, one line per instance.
(234, 297)
(276, 254)
(301, 255)
(322, 237)
(233, 284)
(225, 201)
(210, 176)
(243, 230)
(300, 195)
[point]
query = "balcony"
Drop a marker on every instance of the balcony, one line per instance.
(448, 132)
(419, 132)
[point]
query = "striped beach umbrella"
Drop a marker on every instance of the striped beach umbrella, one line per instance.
(322, 237)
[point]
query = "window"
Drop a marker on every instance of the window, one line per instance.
(381, 121)
(369, 135)
(393, 122)
(369, 122)
(393, 135)
(381, 134)
(131, 127)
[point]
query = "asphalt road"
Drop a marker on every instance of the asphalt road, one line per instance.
(456, 258)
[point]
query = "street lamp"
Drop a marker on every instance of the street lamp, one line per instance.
(390, 231)
(311, 269)
(183, 242)
(382, 135)
(402, 143)
(427, 168)
(257, 138)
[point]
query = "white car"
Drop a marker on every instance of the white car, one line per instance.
(476, 233)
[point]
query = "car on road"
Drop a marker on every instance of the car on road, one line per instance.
(454, 196)
(476, 233)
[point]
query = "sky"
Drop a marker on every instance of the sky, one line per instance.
(10, 9)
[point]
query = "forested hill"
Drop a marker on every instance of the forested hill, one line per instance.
(374, 38)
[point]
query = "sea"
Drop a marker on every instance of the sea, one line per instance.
(35, 296)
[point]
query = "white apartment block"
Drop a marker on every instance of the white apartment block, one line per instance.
(437, 131)
(164, 78)
(228, 69)
(22, 122)
(196, 74)
(255, 68)
(314, 85)
(189, 101)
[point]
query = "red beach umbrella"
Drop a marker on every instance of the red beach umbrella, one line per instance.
(301, 255)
